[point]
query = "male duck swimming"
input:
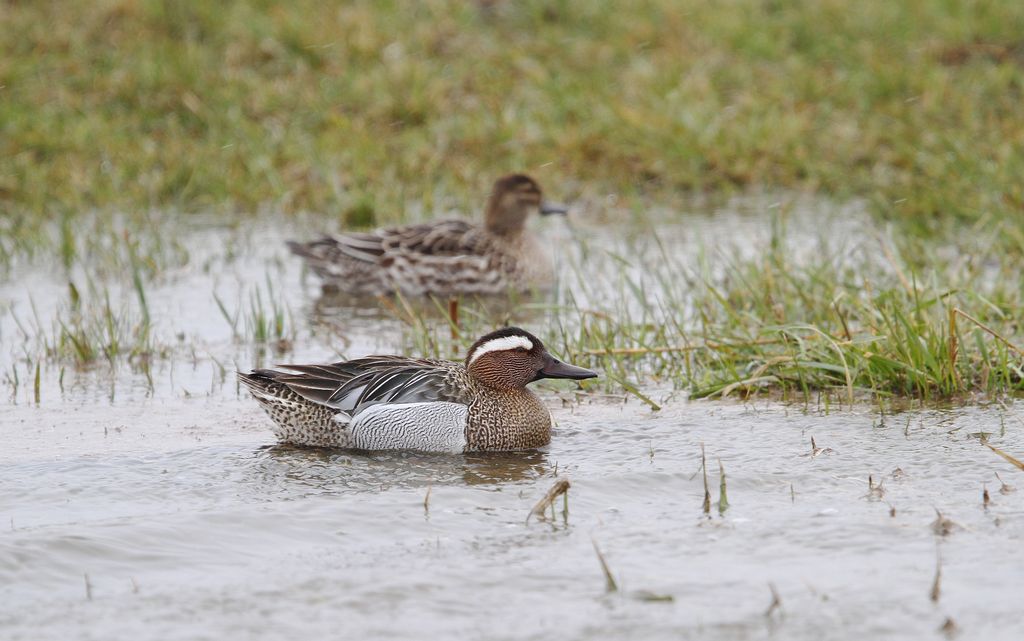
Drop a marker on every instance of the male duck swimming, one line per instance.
(397, 402)
(444, 257)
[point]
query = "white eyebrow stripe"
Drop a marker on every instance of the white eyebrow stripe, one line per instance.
(502, 344)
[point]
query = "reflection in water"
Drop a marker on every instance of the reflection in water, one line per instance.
(322, 542)
(297, 472)
(504, 467)
(338, 313)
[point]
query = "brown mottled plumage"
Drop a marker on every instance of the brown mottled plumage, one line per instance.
(444, 257)
(394, 402)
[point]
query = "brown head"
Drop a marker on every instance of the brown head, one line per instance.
(513, 199)
(510, 358)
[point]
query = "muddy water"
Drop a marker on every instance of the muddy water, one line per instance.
(154, 505)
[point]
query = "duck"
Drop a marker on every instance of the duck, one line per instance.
(480, 404)
(448, 257)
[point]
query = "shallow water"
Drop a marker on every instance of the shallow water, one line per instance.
(190, 524)
(154, 505)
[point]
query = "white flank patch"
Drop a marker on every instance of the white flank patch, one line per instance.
(432, 426)
(502, 344)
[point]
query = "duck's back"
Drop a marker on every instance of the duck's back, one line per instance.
(445, 257)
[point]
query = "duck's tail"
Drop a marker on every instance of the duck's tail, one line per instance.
(337, 264)
(296, 419)
(261, 384)
(305, 250)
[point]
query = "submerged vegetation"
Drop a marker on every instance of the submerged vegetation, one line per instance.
(121, 115)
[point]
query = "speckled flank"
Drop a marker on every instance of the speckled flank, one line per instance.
(297, 420)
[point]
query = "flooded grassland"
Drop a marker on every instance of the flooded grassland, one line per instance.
(142, 495)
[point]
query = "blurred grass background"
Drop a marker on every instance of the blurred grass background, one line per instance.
(119, 116)
(126, 105)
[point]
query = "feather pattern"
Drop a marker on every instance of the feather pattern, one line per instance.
(444, 257)
(396, 402)
(352, 386)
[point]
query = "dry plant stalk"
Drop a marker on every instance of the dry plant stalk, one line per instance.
(936, 590)
(989, 330)
(706, 507)
(1003, 487)
(1006, 456)
(776, 601)
(954, 347)
(609, 581)
(560, 487)
(723, 497)
(943, 526)
(453, 316)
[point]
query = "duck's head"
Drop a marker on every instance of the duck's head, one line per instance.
(510, 358)
(513, 199)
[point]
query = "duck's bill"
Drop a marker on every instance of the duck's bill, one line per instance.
(547, 208)
(557, 369)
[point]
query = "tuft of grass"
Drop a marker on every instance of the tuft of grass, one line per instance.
(95, 323)
(90, 329)
(791, 318)
(262, 319)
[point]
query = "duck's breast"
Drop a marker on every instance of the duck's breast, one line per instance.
(434, 426)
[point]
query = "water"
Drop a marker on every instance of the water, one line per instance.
(158, 507)
(190, 524)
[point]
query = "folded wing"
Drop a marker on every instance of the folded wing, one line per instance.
(352, 386)
(442, 238)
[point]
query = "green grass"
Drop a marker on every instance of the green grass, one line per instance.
(88, 329)
(121, 115)
(264, 320)
(130, 105)
(857, 324)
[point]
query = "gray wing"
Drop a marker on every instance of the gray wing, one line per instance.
(352, 386)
